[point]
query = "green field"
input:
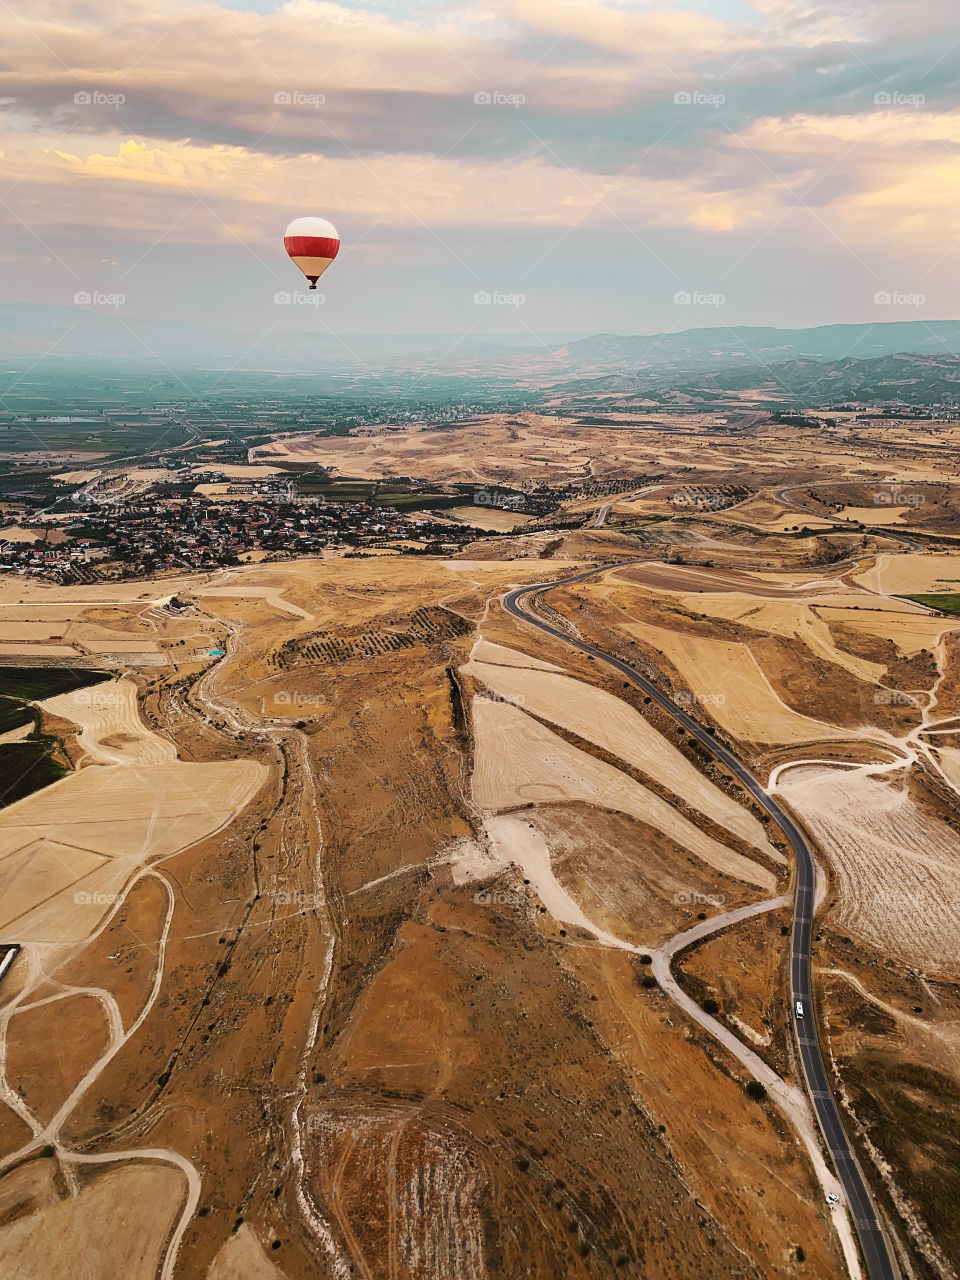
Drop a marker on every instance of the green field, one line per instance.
(31, 684)
(13, 714)
(375, 493)
(94, 436)
(943, 602)
(417, 501)
(26, 767)
(29, 765)
(343, 489)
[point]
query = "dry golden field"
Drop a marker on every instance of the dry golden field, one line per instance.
(334, 949)
(287, 1006)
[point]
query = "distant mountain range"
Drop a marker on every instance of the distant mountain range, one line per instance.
(37, 329)
(910, 379)
(29, 329)
(917, 362)
(750, 346)
(34, 329)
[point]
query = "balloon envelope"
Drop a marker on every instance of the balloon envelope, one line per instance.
(312, 243)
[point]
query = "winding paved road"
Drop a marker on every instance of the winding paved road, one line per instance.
(600, 518)
(839, 521)
(877, 1253)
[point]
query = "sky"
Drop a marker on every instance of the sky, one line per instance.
(511, 166)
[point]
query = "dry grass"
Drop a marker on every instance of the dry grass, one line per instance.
(67, 851)
(598, 717)
(519, 762)
(898, 868)
(451, 1069)
(117, 1224)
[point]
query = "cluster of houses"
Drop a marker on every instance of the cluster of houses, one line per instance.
(199, 533)
(45, 552)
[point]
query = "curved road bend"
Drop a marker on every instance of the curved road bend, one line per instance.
(600, 518)
(838, 521)
(876, 1250)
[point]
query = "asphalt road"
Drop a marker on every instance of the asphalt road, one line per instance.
(600, 518)
(879, 1259)
(838, 521)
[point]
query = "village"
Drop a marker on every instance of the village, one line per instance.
(199, 532)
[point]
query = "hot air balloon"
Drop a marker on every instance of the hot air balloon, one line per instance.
(312, 243)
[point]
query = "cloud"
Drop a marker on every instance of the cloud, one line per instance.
(140, 189)
(190, 125)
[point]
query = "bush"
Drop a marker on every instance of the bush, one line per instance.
(649, 981)
(756, 1091)
(710, 1005)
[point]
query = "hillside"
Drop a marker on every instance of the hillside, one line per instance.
(712, 348)
(916, 380)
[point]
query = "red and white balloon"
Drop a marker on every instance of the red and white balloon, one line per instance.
(312, 243)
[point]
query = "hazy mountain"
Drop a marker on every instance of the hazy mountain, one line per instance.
(830, 363)
(38, 329)
(293, 336)
(912, 379)
(751, 346)
(29, 329)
